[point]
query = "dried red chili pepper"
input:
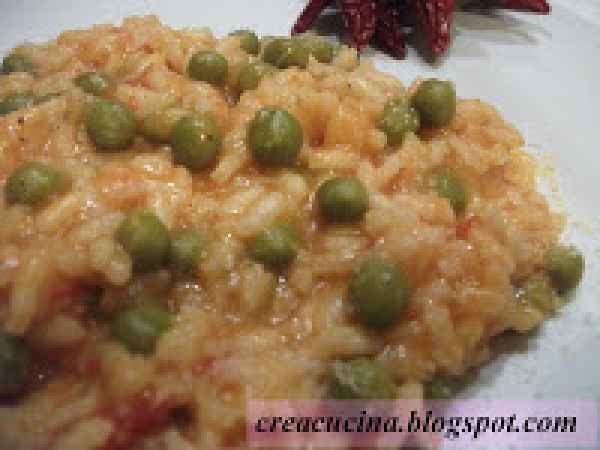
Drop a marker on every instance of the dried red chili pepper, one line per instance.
(389, 34)
(359, 18)
(435, 18)
(309, 15)
(537, 6)
(384, 20)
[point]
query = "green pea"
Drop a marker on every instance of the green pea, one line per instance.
(248, 41)
(440, 388)
(286, 52)
(158, 126)
(320, 48)
(565, 266)
(449, 186)
(342, 199)
(15, 102)
(14, 363)
(94, 83)
(537, 291)
(435, 100)
(110, 125)
(360, 379)
(274, 137)
(188, 248)
(250, 75)
(398, 119)
(16, 63)
(379, 292)
(196, 141)
(146, 239)
(277, 246)
(139, 328)
(33, 182)
(273, 49)
(293, 53)
(208, 66)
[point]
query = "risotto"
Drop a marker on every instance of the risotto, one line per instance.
(191, 222)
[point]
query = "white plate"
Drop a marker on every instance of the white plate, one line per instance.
(542, 72)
